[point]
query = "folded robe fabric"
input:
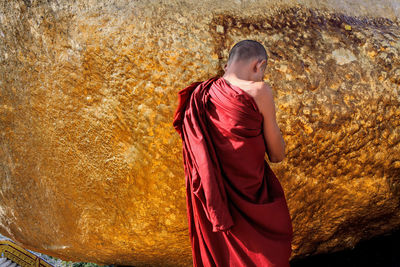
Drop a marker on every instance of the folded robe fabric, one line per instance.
(236, 207)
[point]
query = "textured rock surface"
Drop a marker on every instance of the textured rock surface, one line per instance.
(91, 167)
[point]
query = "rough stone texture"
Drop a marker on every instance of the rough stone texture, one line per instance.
(91, 167)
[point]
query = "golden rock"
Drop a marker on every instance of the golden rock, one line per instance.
(91, 168)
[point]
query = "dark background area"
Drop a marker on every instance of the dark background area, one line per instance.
(382, 251)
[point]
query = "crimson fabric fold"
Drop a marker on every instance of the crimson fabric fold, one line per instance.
(236, 206)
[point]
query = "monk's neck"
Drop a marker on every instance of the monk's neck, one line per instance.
(233, 77)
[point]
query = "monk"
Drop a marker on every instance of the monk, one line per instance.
(236, 207)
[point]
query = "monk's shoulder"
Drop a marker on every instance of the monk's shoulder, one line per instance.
(261, 92)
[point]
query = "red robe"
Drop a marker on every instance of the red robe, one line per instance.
(236, 207)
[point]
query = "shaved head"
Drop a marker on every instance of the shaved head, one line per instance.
(247, 49)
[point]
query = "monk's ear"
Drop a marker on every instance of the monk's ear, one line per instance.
(262, 64)
(255, 65)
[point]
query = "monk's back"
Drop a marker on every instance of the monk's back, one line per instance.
(235, 125)
(250, 87)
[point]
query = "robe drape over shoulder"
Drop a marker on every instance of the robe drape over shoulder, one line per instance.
(236, 207)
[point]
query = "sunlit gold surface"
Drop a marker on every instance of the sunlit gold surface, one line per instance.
(91, 168)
